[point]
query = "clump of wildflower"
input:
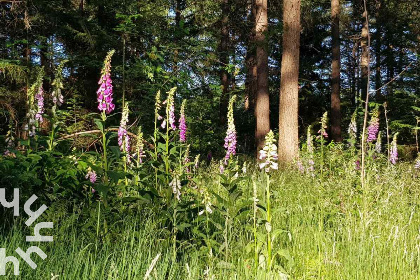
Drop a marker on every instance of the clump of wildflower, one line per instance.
(176, 187)
(300, 167)
(206, 202)
(311, 167)
(373, 127)
(104, 92)
(170, 109)
(35, 110)
(182, 123)
(324, 125)
(187, 159)
(268, 155)
(221, 167)
(196, 162)
(393, 157)
(244, 168)
(57, 84)
(39, 97)
(123, 137)
(230, 139)
(417, 164)
(309, 141)
(10, 139)
(140, 146)
(91, 175)
(352, 130)
(158, 106)
(378, 145)
(357, 165)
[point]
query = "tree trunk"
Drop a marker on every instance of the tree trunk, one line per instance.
(224, 61)
(289, 87)
(251, 76)
(378, 43)
(262, 104)
(364, 62)
(335, 73)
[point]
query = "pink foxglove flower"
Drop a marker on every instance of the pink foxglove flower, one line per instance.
(373, 127)
(39, 97)
(230, 139)
(123, 137)
(104, 93)
(91, 175)
(393, 157)
(268, 155)
(182, 124)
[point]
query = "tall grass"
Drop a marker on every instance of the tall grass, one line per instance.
(330, 229)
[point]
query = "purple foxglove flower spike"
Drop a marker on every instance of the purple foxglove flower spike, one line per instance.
(40, 104)
(91, 175)
(230, 139)
(373, 127)
(104, 91)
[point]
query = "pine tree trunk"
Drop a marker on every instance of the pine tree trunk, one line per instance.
(289, 87)
(224, 61)
(364, 62)
(335, 74)
(251, 76)
(262, 104)
(378, 44)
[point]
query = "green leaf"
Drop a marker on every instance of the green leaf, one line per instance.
(99, 124)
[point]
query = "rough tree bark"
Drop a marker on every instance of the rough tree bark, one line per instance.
(262, 102)
(224, 61)
(364, 62)
(289, 87)
(251, 76)
(335, 74)
(378, 44)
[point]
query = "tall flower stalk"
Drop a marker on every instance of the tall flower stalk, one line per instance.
(378, 145)
(309, 142)
(104, 92)
(124, 138)
(393, 158)
(35, 93)
(58, 100)
(268, 161)
(170, 116)
(417, 163)
(230, 139)
(373, 127)
(105, 105)
(352, 130)
(183, 124)
(323, 133)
